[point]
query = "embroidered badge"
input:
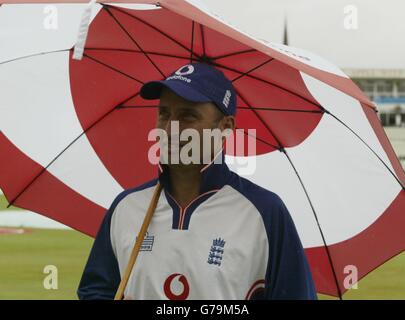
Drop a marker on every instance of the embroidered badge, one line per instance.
(147, 243)
(216, 252)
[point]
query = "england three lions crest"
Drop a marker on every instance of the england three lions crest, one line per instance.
(216, 252)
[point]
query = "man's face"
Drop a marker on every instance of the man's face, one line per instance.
(190, 115)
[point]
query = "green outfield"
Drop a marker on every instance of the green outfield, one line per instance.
(4, 204)
(24, 256)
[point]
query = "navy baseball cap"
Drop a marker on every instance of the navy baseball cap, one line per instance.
(198, 82)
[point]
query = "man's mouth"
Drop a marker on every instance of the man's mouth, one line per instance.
(173, 144)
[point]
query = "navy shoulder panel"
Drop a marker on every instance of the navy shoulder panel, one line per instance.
(126, 192)
(264, 200)
(101, 276)
(288, 274)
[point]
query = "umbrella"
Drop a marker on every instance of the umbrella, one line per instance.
(73, 133)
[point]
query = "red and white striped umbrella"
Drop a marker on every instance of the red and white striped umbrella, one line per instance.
(73, 133)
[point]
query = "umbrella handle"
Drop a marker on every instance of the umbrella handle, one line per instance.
(135, 251)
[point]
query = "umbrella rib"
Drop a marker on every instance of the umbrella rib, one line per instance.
(202, 39)
(34, 55)
(366, 144)
(328, 253)
(233, 54)
(154, 28)
(252, 69)
(177, 42)
(280, 110)
(280, 146)
(67, 147)
(174, 40)
(192, 42)
(133, 40)
(112, 68)
(135, 107)
(138, 51)
(260, 139)
(270, 83)
(254, 110)
(238, 108)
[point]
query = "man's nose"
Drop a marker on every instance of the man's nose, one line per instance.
(172, 123)
(169, 125)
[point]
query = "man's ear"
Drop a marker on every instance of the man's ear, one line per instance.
(227, 122)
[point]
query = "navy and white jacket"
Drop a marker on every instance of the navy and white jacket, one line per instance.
(236, 240)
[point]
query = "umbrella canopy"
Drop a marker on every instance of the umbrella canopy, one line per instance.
(74, 133)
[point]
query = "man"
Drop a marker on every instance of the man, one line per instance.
(214, 234)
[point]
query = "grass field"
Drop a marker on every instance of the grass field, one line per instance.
(4, 204)
(24, 256)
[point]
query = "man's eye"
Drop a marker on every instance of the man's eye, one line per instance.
(163, 114)
(189, 116)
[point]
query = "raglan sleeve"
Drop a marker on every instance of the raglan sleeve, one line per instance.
(288, 274)
(101, 275)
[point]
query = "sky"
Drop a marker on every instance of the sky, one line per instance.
(350, 33)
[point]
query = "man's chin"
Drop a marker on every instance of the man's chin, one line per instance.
(174, 158)
(180, 164)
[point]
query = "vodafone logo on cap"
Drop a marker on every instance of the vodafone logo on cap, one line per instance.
(185, 70)
(176, 287)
